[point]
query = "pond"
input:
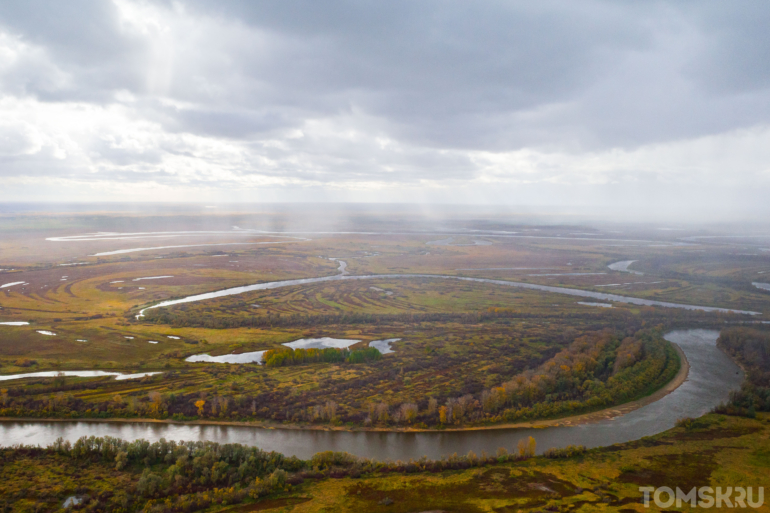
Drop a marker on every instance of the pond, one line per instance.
(303, 343)
(622, 266)
(81, 374)
(383, 346)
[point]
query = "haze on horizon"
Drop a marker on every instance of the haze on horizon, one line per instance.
(654, 110)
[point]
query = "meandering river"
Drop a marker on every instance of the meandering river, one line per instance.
(712, 376)
(341, 277)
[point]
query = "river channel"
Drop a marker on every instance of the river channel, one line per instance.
(343, 277)
(712, 376)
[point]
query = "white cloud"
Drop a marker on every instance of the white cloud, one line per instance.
(181, 101)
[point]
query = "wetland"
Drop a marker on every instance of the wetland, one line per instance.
(358, 343)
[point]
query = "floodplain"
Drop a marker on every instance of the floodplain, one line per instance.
(413, 352)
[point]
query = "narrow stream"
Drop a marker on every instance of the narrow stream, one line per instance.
(712, 376)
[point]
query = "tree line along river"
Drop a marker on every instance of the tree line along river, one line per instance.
(711, 377)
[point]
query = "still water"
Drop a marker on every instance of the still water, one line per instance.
(712, 376)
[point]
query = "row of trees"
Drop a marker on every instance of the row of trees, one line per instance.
(658, 364)
(188, 316)
(596, 370)
(751, 348)
(288, 356)
(168, 476)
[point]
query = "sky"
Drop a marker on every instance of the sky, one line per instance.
(634, 106)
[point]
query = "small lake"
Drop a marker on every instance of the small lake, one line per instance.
(71, 501)
(712, 376)
(303, 343)
(763, 286)
(383, 346)
(12, 284)
(622, 266)
(81, 374)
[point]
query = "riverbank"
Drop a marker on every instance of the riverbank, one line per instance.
(711, 377)
(606, 479)
(574, 420)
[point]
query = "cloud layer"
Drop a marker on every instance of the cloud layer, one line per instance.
(499, 102)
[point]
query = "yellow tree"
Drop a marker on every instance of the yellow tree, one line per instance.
(522, 447)
(199, 404)
(442, 414)
(156, 401)
(531, 446)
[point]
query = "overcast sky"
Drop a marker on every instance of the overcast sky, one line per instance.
(624, 104)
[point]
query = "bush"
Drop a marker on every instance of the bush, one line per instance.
(567, 452)
(286, 356)
(272, 483)
(690, 424)
(328, 459)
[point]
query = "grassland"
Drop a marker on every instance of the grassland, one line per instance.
(476, 339)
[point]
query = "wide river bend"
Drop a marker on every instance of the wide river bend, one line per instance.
(712, 376)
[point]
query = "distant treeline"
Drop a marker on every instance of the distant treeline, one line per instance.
(616, 318)
(751, 349)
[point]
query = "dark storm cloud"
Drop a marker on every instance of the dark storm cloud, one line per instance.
(441, 73)
(390, 92)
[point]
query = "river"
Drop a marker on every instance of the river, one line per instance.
(712, 376)
(342, 277)
(622, 266)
